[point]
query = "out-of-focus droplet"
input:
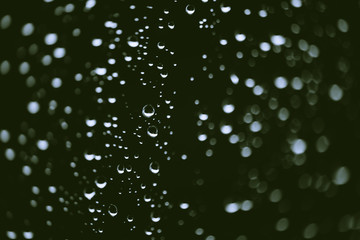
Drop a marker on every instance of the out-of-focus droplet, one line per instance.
(42, 144)
(27, 29)
(148, 111)
(335, 92)
(280, 82)
(51, 38)
(322, 144)
(341, 176)
(277, 40)
(310, 231)
(298, 146)
(4, 136)
(5, 22)
(232, 207)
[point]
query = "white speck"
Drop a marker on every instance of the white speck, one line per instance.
(51, 38)
(33, 107)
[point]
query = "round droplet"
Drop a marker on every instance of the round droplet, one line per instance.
(133, 41)
(298, 146)
(120, 169)
(154, 217)
(152, 131)
(42, 144)
(112, 210)
(335, 92)
(154, 167)
(148, 111)
(27, 29)
(100, 182)
(4, 136)
(341, 176)
(190, 9)
(51, 38)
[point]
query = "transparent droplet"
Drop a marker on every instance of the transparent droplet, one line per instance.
(310, 231)
(100, 182)
(341, 176)
(232, 207)
(322, 144)
(51, 38)
(4, 136)
(43, 144)
(228, 108)
(112, 210)
(89, 193)
(298, 146)
(224, 8)
(154, 167)
(154, 217)
(335, 92)
(277, 40)
(27, 29)
(120, 168)
(133, 41)
(148, 111)
(190, 9)
(282, 224)
(280, 82)
(152, 131)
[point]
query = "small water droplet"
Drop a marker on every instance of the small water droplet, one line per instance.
(112, 210)
(154, 167)
(148, 111)
(152, 131)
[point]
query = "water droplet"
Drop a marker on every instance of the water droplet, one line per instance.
(100, 182)
(190, 9)
(154, 217)
(5, 22)
(232, 207)
(296, 3)
(133, 41)
(184, 205)
(152, 131)
(228, 108)
(335, 92)
(280, 82)
(42, 144)
(341, 176)
(148, 111)
(89, 193)
(322, 144)
(120, 169)
(59, 52)
(277, 40)
(4, 136)
(112, 210)
(282, 224)
(51, 38)
(96, 42)
(226, 129)
(154, 167)
(90, 122)
(100, 71)
(310, 231)
(298, 146)
(56, 82)
(27, 29)
(225, 9)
